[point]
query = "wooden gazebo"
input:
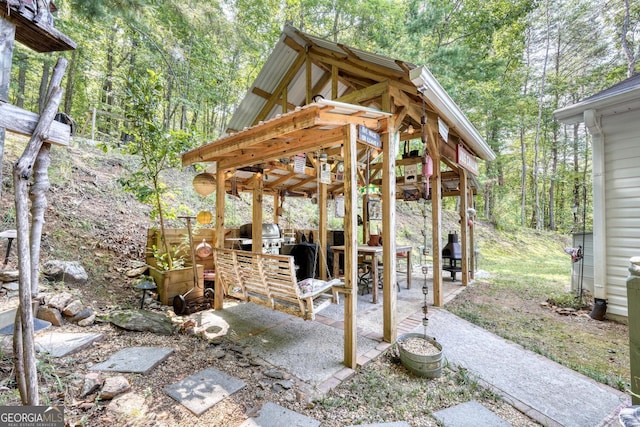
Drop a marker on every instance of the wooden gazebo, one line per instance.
(352, 110)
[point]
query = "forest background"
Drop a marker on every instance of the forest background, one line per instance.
(507, 63)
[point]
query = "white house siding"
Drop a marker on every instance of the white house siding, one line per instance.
(622, 195)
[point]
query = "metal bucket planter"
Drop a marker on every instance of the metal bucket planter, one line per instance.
(423, 365)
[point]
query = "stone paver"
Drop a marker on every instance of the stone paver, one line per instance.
(61, 344)
(38, 325)
(272, 415)
(469, 414)
(134, 359)
(204, 389)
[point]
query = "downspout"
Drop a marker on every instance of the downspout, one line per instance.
(592, 123)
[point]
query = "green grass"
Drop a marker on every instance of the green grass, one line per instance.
(528, 269)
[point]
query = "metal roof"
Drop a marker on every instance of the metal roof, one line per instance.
(287, 51)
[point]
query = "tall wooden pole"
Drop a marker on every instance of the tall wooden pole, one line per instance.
(322, 230)
(464, 227)
(220, 199)
(389, 294)
(350, 249)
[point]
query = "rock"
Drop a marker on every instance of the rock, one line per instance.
(142, 321)
(69, 272)
(11, 286)
(275, 374)
(88, 321)
(73, 308)
(285, 384)
(138, 271)
(83, 314)
(9, 275)
(92, 382)
(129, 405)
(59, 301)
(218, 353)
(114, 386)
(51, 315)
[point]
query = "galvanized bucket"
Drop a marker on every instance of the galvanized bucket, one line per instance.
(428, 366)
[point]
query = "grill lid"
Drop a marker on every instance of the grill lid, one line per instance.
(269, 231)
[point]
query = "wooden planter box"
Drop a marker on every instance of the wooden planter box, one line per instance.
(178, 241)
(177, 282)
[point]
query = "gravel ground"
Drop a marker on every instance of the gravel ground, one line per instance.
(381, 391)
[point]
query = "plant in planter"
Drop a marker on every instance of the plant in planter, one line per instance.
(157, 149)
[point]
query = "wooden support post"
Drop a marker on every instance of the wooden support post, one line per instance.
(7, 37)
(276, 205)
(472, 245)
(350, 249)
(220, 199)
(366, 225)
(256, 229)
(308, 79)
(436, 216)
(464, 227)
(389, 291)
(334, 82)
(322, 230)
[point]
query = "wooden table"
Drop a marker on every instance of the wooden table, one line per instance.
(374, 252)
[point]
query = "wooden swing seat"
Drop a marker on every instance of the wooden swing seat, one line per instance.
(271, 280)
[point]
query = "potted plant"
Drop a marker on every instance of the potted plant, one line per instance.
(157, 149)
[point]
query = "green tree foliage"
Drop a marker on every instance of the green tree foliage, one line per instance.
(157, 148)
(489, 56)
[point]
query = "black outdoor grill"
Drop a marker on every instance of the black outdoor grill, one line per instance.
(271, 238)
(452, 256)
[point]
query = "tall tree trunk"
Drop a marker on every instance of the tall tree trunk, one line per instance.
(536, 147)
(626, 49)
(554, 142)
(23, 63)
(107, 84)
(44, 81)
(576, 175)
(71, 80)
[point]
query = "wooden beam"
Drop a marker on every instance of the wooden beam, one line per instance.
(322, 230)
(24, 122)
(334, 82)
(436, 216)
(272, 129)
(310, 141)
(350, 250)
(366, 94)
(286, 79)
(389, 292)
(256, 215)
(219, 243)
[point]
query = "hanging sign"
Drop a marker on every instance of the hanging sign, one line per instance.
(443, 129)
(299, 163)
(369, 136)
(410, 174)
(325, 173)
(467, 160)
(339, 206)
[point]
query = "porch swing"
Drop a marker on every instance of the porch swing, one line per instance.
(271, 280)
